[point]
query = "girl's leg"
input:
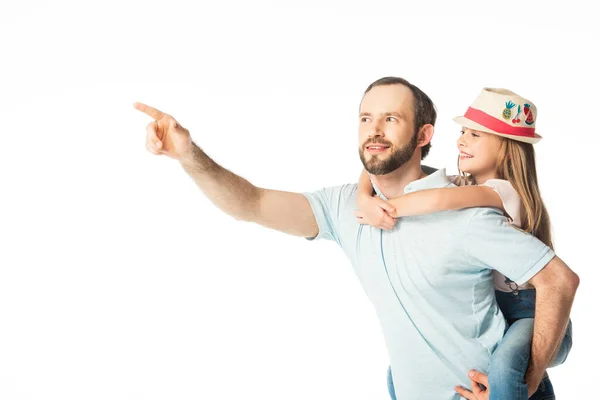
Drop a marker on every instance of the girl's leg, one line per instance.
(545, 390)
(390, 383)
(565, 347)
(509, 362)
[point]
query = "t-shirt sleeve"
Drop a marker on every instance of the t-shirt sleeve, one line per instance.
(327, 205)
(492, 242)
(511, 201)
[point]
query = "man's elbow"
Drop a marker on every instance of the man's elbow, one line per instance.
(557, 274)
(568, 278)
(571, 281)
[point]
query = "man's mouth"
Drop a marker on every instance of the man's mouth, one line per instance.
(376, 148)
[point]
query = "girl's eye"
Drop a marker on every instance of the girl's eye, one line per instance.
(474, 134)
(462, 132)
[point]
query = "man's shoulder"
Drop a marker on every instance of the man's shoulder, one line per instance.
(336, 196)
(486, 212)
(345, 190)
(487, 217)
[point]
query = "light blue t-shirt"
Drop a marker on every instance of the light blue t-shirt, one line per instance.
(430, 281)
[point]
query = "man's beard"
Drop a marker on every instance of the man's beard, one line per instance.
(397, 159)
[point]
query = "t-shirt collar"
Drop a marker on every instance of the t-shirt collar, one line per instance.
(435, 180)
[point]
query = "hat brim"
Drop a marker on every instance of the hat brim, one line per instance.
(467, 123)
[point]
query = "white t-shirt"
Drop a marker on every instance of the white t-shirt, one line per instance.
(513, 207)
(434, 332)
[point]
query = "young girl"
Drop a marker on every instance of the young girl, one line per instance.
(497, 169)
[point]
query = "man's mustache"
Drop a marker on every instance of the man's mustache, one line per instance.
(371, 142)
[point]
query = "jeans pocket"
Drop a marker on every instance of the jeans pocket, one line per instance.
(526, 304)
(525, 299)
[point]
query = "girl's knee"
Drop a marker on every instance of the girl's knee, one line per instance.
(505, 364)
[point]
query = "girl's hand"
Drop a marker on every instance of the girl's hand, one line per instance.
(376, 212)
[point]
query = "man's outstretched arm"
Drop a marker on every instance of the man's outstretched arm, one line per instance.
(284, 211)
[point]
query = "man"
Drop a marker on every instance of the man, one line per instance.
(429, 278)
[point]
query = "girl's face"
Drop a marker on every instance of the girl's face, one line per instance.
(478, 154)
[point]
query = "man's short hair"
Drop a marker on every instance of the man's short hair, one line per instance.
(423, 108)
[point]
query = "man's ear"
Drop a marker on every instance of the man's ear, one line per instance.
(425, 135)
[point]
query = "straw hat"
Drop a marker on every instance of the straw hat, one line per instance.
(503, 113)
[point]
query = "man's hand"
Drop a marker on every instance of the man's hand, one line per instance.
(476, 392)
(165, 136)
(376, 212)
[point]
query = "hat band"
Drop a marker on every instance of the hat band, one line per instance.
(496, 125)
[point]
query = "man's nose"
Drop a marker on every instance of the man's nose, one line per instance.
(376, 130)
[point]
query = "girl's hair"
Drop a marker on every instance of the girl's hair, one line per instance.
(516, 164)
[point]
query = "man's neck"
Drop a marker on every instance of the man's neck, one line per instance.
(392, 185)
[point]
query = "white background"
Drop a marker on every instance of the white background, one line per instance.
(120, 280)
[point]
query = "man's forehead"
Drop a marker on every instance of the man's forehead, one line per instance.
(387, 99)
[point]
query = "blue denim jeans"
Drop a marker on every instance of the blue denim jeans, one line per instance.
(545, 390)
(510, 360)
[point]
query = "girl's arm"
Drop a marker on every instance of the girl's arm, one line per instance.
(372, 210)
(365, 189)
(445, 199)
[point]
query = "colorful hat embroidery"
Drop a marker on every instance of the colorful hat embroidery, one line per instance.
(507, 113)
(516, 119)
(527, 111)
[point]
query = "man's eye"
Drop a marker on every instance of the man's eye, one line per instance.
(391, 118)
